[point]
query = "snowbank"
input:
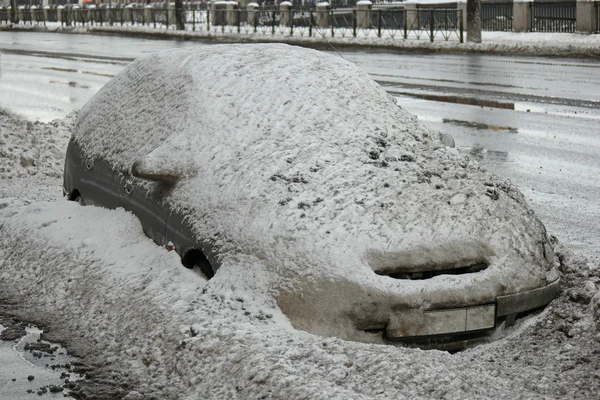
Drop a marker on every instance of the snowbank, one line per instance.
(133, 312)
(31, 150)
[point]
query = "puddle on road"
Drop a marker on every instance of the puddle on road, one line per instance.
(71, 84)
(30, 366)
(430, 79)
(470, 101)
(479, 126)
(78, 71)
(61, 69)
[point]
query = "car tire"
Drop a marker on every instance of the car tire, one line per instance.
(76, 196)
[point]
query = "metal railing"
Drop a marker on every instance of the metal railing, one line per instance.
(597, 7)
(4, 17)
(497, 16)
(553, 17)
(391, 22)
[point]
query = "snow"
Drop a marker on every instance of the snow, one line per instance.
(128, 305)
(150, 317)
(31, 150)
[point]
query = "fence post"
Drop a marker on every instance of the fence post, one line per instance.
(171, 13)
(412, 20)
(323, 10)
(208, 19)
(522, 15)
(147, 14)
(379, 23)
(251, 15)
(231, 13)
(285, 14)
(310, 22)
(238, 20)
(273, 24)
(586, 16)
(193, 20)
(363, 14)
(431, 25)
(354, 22)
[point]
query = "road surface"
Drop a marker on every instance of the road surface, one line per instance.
(535, 121)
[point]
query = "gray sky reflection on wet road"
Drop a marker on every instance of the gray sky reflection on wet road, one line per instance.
(548, 143)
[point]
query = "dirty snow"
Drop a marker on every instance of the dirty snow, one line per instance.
(134, 313)
(19, 362)
(130, 308)
(32, 152)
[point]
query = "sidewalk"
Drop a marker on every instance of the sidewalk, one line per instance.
(528, 43)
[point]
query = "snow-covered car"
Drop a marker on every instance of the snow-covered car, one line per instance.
(293, 165)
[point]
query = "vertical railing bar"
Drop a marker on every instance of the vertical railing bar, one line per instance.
(431, 23)
(332, 24)
(405, 16)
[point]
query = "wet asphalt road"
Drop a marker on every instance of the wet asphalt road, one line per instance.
(535, 121)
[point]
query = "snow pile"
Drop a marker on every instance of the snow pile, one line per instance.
(146, 323)
(320, 177)
(30, 151)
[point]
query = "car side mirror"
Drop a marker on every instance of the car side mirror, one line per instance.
(169, 163)
(149, 171)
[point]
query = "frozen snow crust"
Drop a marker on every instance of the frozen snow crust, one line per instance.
(143, 322)
(305, 176)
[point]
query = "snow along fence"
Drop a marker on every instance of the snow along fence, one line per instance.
(227, 17)
(403, 20)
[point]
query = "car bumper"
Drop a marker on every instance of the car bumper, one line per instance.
(457, 327)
